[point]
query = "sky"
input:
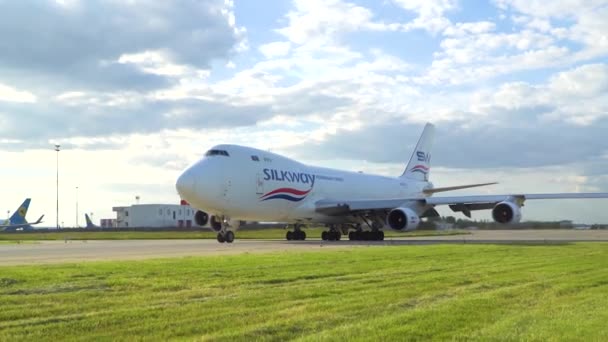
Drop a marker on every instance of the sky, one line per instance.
(134, 91)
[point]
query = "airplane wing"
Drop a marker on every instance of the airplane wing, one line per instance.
(457, 203)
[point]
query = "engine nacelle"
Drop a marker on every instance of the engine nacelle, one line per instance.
(402, 219)
(506, 212)
(216, 223)
(201, 218)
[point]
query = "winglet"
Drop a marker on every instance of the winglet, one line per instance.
(39, 220)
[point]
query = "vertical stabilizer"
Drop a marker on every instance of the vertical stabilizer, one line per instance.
(419, 166)
(19, 215)
(90, 223)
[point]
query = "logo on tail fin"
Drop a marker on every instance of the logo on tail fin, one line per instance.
(423, 169)
(423, 157)
(420, 168)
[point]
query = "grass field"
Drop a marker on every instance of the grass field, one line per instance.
(206, 234)
(472, 292)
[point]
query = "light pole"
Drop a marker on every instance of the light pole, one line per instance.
(76, 207)
(57, 150)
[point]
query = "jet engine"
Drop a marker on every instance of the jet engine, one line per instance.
(216, 223)
(201, 218)
(506, 212)
(402, 219)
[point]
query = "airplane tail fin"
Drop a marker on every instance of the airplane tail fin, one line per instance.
(90, 223)
(19, 215)
(419, 166)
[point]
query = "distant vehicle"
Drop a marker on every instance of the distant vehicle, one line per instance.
(17, 221)
(90, 224)
(240, 183)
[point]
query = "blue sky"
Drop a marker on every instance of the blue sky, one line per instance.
(135, 91)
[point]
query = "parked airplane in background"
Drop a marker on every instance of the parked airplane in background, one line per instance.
(90, 224)
(18, 221)
(240, 183)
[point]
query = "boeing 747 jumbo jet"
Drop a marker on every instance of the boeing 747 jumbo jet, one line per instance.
(236, 183)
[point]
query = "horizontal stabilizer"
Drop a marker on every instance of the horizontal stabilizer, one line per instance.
(458, 187)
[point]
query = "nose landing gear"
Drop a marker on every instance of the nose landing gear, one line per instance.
(227, 236)
(221, 226)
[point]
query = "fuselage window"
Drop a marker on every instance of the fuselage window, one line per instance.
(255, 158)
(217, 153)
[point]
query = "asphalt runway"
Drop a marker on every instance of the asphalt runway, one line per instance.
(48, 252)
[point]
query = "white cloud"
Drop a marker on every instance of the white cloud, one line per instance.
(430, 14)
(588, 80)
(275, 49)
(10, 94)
(154, 62)
(319, 21)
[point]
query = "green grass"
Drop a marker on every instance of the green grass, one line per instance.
(206, 234)
(437, 292)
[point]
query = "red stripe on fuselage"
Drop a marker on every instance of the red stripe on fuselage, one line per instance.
(289, 191)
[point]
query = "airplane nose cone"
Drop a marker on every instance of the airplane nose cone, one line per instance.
(186, 184)
(201, 185)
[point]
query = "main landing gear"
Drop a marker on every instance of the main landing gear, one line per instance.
(296, 234)
(360, 235)
(333, 234)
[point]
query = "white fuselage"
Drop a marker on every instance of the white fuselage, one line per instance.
(249, 184)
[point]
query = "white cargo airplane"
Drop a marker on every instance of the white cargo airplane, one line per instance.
(236, 183)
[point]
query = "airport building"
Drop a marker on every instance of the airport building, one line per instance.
(107, 223)
(155, 216)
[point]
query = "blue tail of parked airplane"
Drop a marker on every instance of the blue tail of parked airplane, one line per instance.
(19, 215)
(90, 223)
(17, 220)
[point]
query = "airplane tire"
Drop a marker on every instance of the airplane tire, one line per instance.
(351, 236)
(336, 236)
(289, 236)
(380, 235)
(324, 236)
(229, 236)
(302, 235)
(220, 238)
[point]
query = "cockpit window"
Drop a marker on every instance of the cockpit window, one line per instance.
(217, 153)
